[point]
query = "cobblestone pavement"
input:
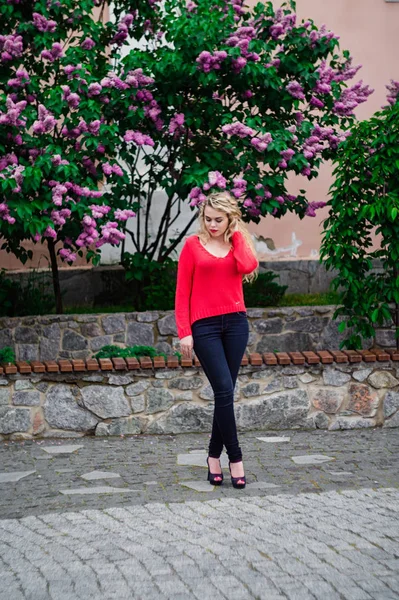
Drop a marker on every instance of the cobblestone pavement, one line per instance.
(121, 518)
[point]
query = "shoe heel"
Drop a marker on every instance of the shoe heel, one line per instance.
(211, 476)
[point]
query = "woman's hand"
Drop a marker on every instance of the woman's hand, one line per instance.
(186, 346)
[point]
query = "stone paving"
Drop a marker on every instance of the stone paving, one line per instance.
(134, 517)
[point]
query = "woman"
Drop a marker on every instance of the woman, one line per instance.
(211, 316)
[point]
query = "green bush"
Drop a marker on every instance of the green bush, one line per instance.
(155, 282)
(264, 291)
(7, 355)
(111, 351)
(29, 297)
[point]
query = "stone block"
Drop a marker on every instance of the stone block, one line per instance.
(391, 403)
(167, 325)
(22, 384)
(105, 401)
(26, 335)
(183, 418)
(351, 423)
(327, 401)
(147, 317)
(91, 330)
(14, 419)
(26, 398)
(362, 400)
(137, 403)
(159, 400)
(62, 411)
(27, 352)
(113, 324)
(97, 343)
(334, 377)
(137, 388)
(252, 389)
(186, 384)
(141, 334)
(309, 324)
(268, 325)
(382, 379)
(126, 426)
(73, 341)
(49, 346)
(285, 342)
(6, 338)
(5, 396)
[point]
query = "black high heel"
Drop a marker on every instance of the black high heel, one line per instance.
(237, 482)
(211, 476)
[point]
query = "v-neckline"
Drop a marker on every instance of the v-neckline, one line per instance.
(210, 253)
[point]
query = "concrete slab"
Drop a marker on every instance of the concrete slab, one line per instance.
(64, 449)
(198, 486)
(275, 439)
(95, 490)
(311, 459)
(13, 476)
(99, 475)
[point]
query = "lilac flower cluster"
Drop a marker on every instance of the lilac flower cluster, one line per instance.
(238, 129)
(59, 217)
(67, 255)
(282, 24)
(14, 109)
(176, 125)
(42, 24)
(124, 215)
(46, 121)
(321, 34)
(261, 141)
(72, 98)
(21, 78)
(140, 139)
(253, 204)
(295, 89)
(312, 207)
(351, 98)
(55, 52)
(5, 214)
(11, 46)
(393, 89)
(87, 44)
(123, 30)
(211, 62)
(112, 169)
(286, 155)
(215, 179)
(347, 71)
(241, 39)
(240, 186)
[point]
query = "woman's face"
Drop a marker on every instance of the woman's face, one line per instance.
(216, 222)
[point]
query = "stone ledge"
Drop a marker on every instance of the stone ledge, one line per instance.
(158, 362)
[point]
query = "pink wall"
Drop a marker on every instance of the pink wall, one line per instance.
(370, 30)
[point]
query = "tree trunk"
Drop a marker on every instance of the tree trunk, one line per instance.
(56, 279)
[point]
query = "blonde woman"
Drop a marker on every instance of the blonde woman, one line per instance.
(211, 316)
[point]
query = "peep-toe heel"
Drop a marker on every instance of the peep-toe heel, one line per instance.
(237, 482)
(212, 476)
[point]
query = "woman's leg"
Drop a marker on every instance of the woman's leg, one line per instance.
(209, 347)
(235, 340)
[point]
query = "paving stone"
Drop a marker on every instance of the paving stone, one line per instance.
(99, 475)
(198, 459)
(95, 490)
(311, 459)
(14, 476)
(65, 449)
(260, 485)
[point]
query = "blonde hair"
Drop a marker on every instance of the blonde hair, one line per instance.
(224, 202)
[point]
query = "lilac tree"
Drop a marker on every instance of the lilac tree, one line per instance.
(241, 98)
(61, 96)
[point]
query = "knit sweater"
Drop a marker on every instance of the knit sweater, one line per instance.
(209, 285)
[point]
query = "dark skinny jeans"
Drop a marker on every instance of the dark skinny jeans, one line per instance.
(220, 343)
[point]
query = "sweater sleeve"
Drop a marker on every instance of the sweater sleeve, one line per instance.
(185, 271)
(246, 261)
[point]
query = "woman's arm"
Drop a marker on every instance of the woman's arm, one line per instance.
(246, 261)
(185, 270)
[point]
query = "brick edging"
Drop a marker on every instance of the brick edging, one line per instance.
(254, 359)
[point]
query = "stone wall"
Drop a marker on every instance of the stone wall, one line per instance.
(177, 400)
(80, 336)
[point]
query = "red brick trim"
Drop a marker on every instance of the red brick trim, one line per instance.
(254, 359)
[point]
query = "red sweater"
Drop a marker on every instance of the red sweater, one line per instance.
(208, 285)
